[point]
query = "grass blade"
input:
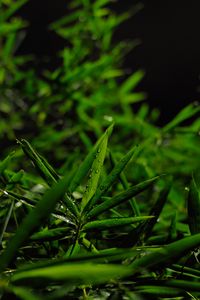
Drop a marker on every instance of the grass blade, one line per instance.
(95, 171)
(194, 206)
(47, 172)
(184, 285)
(4, 163)
(125, 185)
(38, 162)
(49, 235)
(122, 197)
(33, 221)
(86, 164)
(79, 273)
(186, 113)
(146, 228)
(167, 255)
(114, 222)
(110, 179)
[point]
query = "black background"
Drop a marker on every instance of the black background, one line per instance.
(169, 50)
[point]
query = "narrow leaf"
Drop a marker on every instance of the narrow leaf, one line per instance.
(114, 222)
(194, 206)
(33, 221)
(47, 172)
(86, 164)
(186, 113)
(146, 228)
(110, 179)
(122, 197)
(52, 234)
(167, 254)
(95, 171)
(79, 273)
(38, 162)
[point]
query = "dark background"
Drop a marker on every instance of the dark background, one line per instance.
(169, 50)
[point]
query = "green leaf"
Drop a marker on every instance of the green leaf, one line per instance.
(114, 222)
(122, 197)
(95, 171)
(38, 162)
(146, 228)
(186, 113)
(167, 254)
(4, 163)
(110, 179)
(50, 234)
(79, 273)
(12, 9)
(47, 172)
(184, 285)
(194, 206)
(33, 221)
(86, 164)
(125, 185)
(23, 293)
(131, 82)
(159, 291)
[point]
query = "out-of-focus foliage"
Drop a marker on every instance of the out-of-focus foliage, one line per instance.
(72, 104)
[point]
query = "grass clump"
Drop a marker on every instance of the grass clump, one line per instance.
(105, 205)
(88, 236)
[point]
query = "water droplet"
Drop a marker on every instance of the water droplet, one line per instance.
(187, 188)
(97, 171)
(99, 150)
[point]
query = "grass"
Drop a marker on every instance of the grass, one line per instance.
(80, 236)
(97, 201)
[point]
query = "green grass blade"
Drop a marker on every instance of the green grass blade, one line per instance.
(47, 172)
(186, 113)
(86, 164)
(4, 163)
(167, 255)
(108, 255)
(146, 228)
(38, 162)
(6, 221)
(79, 273)
(110, 179)
(33, 221)
(184, 285)
(95, 171)
(15, 179)
(122, 197)
(131, 82)
(49, 167)
(187, 270)
(114, 222)
(194, 206)
(23, 293)
(159, 291)
(50, 234)
(125, 185)
(12, 9)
